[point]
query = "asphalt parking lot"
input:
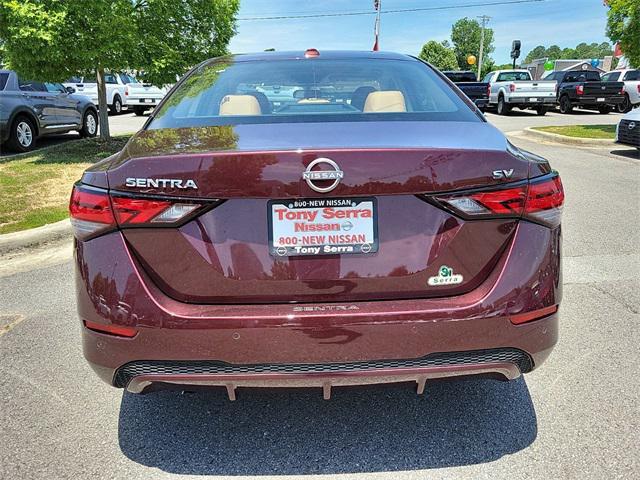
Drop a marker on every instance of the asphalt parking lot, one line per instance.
(575, 417)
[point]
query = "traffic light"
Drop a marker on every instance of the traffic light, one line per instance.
(515, 49)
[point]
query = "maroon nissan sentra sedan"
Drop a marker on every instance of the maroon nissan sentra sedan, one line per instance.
(316, 219)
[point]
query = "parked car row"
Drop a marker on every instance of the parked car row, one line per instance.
(123, 92)
(30, 109)
(507, 89)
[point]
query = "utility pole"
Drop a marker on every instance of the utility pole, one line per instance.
(484, 19)
(377, 5)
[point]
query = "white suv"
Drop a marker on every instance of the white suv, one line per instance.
(631, 79)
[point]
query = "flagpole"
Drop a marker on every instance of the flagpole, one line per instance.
(377, 6)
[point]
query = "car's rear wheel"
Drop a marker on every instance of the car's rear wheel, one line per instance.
(503, 107)
(604, 110)
(139, 111)
(89, 124)
(541, 111)
(22, 136)
(565, 105)
(625, 106)
(116, 106)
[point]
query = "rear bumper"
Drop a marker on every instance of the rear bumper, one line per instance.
(593, 102)
(532, 101)
(303, 355)
(143, 101)
(285, 345)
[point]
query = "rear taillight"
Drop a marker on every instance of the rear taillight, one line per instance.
(512, 87)
(90, 212)
(540, 201)
(580, 90)
(126, 91)
(489, 90)
(94, 212)
(545, 200)
(638, 88)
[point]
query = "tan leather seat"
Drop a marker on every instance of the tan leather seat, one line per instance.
(240, 105)
(385, 101)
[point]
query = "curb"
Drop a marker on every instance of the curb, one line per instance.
(554, 137)
(35, 236)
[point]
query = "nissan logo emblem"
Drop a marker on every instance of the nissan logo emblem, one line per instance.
(333, 173)
(632, 125)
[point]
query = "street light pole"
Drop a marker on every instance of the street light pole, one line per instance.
(484, 19)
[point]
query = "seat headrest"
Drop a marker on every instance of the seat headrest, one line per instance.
(360, 95)
(385, 101)
(239, 105)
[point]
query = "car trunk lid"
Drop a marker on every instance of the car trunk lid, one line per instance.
(225, 255)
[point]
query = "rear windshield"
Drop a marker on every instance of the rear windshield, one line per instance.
(513, 76)
(461, 76)
(586, 76)
(225, 92)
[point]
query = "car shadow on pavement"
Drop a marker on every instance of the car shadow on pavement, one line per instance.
(296, 432)
(628, 153)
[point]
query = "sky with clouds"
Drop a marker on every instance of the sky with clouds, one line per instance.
(562, 22)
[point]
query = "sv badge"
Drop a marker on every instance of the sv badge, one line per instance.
(502, 174)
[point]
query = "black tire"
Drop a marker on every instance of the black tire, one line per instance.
(625, 106)
(565, 105)
(116, 106)
(139, 111)
(604, 109)
(89, 124)
(541, 111)
(503, 108)
(23, 134)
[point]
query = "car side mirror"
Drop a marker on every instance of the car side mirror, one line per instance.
(70, 90)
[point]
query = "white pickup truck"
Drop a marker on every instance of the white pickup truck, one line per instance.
(515, 88)
(123, 91)
(631, 79)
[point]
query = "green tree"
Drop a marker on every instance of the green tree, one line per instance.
(623, 26)
(538, 52)
(55, 39)
(438, 55)
(554, 52)
(465, 35)
(603, 50)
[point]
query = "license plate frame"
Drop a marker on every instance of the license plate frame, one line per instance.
(321, 240)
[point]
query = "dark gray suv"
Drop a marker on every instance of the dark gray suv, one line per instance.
(30, 109)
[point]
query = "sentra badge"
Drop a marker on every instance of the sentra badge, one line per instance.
(445, 277)
(160, 183)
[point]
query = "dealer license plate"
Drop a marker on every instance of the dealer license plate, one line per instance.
(322, 226)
